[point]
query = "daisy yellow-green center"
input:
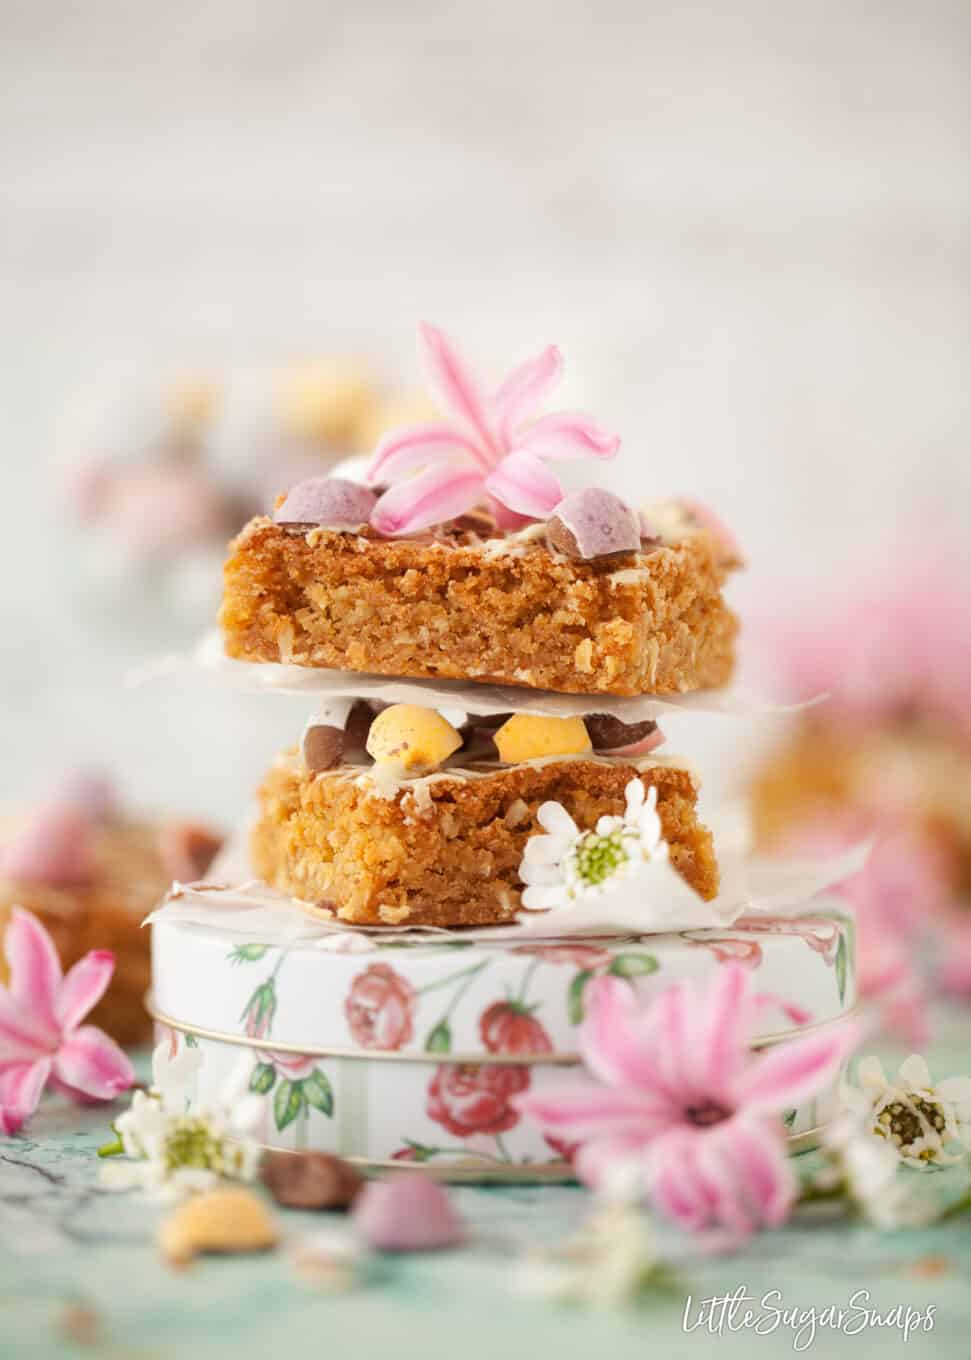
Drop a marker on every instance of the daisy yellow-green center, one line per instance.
(900, 1121)
(598, 857)
(191, 1142)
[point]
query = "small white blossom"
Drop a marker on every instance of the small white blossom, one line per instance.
(566, 863)
(867, 1171)
(925, 1123)
(610, 1260)
(175, 1149)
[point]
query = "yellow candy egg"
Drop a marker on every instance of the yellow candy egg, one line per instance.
(526, 736)
(413, 737)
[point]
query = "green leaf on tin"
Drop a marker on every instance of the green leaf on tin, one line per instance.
(574, 995)
(318, 1092)
(789, 1118)
(247, 953)
(264, 1075)
(841, 966)
(632, 965)
(439, 1039)
(287, 1103)
(191, 1041)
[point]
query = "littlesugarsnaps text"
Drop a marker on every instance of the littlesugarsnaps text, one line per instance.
(741, 1311)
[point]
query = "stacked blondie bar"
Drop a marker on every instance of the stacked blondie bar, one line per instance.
(413, 814)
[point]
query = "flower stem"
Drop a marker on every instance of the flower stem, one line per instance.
(464, 1152)
(111, 1149)
(468, 973)
(506, 1157)
(527, 978)
(814, 1194)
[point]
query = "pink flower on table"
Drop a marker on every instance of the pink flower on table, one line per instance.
(41, 1036)
(491, 448)
(679, 1098)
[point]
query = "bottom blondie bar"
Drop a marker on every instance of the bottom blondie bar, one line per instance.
(445, 850)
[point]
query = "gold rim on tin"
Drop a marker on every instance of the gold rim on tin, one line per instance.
(458, 1059)
(470, 1172)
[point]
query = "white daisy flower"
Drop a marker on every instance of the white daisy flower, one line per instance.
(610, 1260)
(567, 863)
(919, 1119)
(867, 1171)
(175, 1150)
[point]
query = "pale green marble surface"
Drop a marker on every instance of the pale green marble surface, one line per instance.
(63, 1241)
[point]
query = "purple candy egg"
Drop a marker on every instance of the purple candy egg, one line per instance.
(593, 523)
(407, 1212)
(331, 502)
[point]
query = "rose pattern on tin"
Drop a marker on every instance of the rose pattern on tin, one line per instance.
(380, 1008)
(420, 999)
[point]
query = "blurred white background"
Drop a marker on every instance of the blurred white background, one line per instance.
(746, 225)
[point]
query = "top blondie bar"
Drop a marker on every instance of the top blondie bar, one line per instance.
(468, 562)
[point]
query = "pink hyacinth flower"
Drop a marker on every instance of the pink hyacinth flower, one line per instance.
(41, 1036)
(680, 1096)
(491, 449)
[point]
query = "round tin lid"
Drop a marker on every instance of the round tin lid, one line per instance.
(411, 996)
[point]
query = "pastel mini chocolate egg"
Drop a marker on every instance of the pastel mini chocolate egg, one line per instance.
(407, 1212)
(609, 734)
(593, 523)
(328, 502)
(528, 736)
(412, 737)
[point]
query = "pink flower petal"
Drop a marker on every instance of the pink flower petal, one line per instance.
(671, 1014)
(92, 1063)
(720, 1031)
(20, 1091)
(430, 498)
(707, 1156)
(23, 1037)
(452, 383)
(758, 1155)
(505, 518)
(614, 1040)
(83, 987)
(589, 1111)
(567, 434)
(790, 1073)
(525, 485)
(418, 446)
(35, 969)
(676, 1188)
(526, 387)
